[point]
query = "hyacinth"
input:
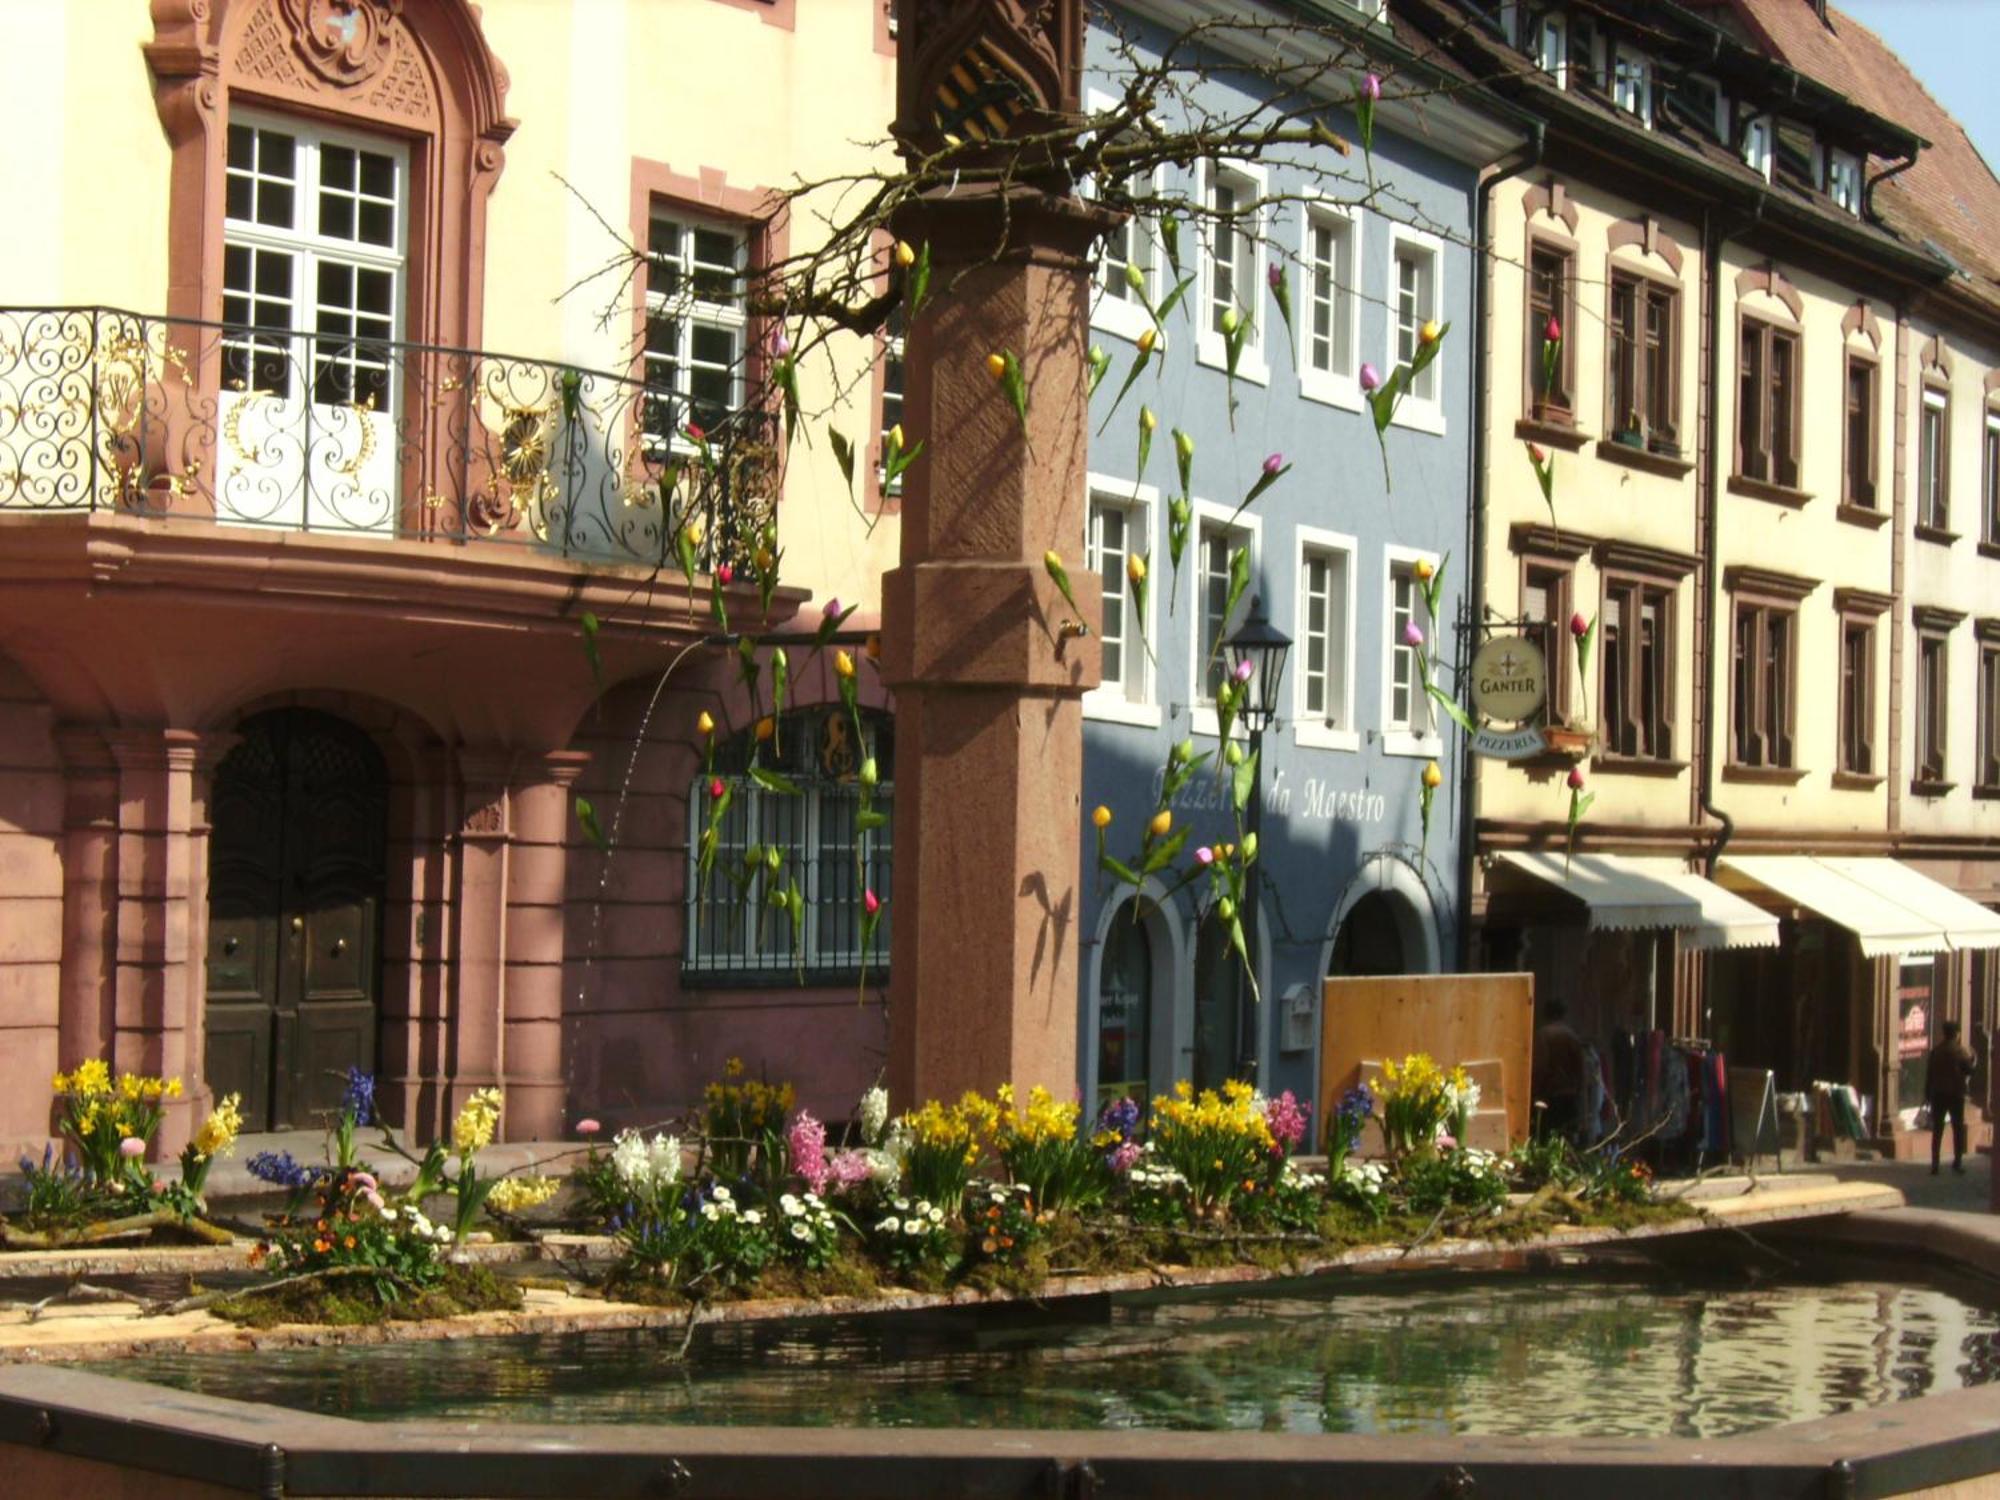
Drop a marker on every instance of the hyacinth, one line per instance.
(359, 1098)
(1286, 1118)
(1358, 1103)
(1119, 1119)
(513, 1194)
(217, 1136)
(873, 1114)
(805, 1142)
(477, 1120)
(281, 1169)
(1122, 1156)
(851, 1168)
(645, 1164)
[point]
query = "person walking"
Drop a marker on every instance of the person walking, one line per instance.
(1946, 1072)
(1557, 1071)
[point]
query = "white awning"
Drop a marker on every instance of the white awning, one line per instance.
(1631, 895)
(1889, 906)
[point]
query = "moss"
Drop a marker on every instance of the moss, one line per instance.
(844, 1276)
(1629, 1216)
(348, 1301)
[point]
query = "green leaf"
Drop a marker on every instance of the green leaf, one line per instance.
(1139, 363)
(1452, 707)
(920, 280)
(1121, 870)
(1170, 236)
(771, 781)
(843, 454)
(901, 459)
(1242, 948)
(590, 626)
(1584, 644)
(586, 819)
(1174, 298)
(1166, 851)
(1241, 783)
(867, 820)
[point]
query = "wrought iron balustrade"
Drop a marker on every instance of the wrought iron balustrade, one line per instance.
(108, 410)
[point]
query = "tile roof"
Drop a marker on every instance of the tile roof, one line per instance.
(1950, 197)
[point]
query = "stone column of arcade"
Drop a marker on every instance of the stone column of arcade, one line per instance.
(989, 747)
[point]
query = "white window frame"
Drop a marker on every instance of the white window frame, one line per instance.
(1309, 731)
(1250, 526)
(1209, 348)
(1399, 738)
(1332, 387)
(1934, 468)
(692, 311)
(1845, 164)
(1134, 702)
(1553, 61)
(1418, 413)
(1759, 145)
(1123, 317)
(1641, 108)
(893, 348)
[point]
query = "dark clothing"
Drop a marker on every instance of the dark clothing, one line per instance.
(1558, 1062)
(1943, 1107)
(1562, 1120)
(1947, 1070)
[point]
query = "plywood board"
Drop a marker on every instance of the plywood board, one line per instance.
(1484, 1021)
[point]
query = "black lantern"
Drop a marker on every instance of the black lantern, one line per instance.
(1261, 644)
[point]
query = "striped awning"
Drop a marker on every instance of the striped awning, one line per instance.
(1635, 895)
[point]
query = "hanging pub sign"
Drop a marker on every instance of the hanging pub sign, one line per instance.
(1510, 682)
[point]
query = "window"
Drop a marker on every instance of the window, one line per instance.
(1642, 342)
(1545, 612)
(1218, 549)
(1764, 668)
(1636, 647)
(1408, 723)
(1322, 659)
(892, 397)
(1857, 697)
(1551, 48)
(1120, 528)
(1858, 457)
(1767, 438)
(1327, 363)
(1989, 706)
(1632, 84)
(1551, 278)
(1990, 474)
(1416, 305)
(1934, 464)
(1757, 145)
(1933, 685)
(1116, 307)
(1233, 272)
(732, 927)
(313, 259)
(696, 322)
(1843, 181)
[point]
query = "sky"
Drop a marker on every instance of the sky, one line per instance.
(1953, 46)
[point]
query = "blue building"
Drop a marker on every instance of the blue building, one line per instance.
(1336, 556)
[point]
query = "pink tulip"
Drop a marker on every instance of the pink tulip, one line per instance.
(1554, 332)
(588, 1127)
(1538, 453)
(1578, 625)
(870, 902)
(715, 788)
(1370, 377)
(725, 575)
(1576, 779)
(780, 344)
(831, 609)
(1275, 275)
(1274, 464)
(1204, 856)
(1412, 635)
(1243, 670)
(1371, 88)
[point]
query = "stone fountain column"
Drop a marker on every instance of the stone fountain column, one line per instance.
(980, 647)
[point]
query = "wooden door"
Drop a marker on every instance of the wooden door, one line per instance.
(296, 876)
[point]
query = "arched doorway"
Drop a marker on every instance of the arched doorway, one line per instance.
(1370, 940)
(299, 818)
(1125, 1010)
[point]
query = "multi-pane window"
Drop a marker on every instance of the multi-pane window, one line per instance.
(1989, 714)
(1990, 475)
(1642, 342)
(1858, 457)
(1857, 697)
(1636, 646)
(1117, 531)
(1322, 648)
(1632, 84)
(696, 321)
(1330, 294)
(1551, 45)
(1934, 463)
(1130, 244)
(1933, 687)
(1763, 671)
(818, 841)
(1545, 612)
(892, 392)
(1409, 708)
(1551, 276)
(312, 260)
(1767, 438)
(1757, 145)
(1415, 304)
(1843, 180)
(1232, 252)
(1219, 546)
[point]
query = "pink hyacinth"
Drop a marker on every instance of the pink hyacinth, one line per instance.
(849, 1168)
(1447, 1142)
(375, 1200)
(588, 1127)
(1370, 377)
(1123, 1155)
(806, 1141)
(1287, 1120)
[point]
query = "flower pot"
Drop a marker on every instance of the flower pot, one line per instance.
(1568, 740)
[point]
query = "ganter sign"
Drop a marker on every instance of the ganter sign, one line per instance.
(1510, 679)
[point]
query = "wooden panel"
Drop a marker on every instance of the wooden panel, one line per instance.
(1482, 1019)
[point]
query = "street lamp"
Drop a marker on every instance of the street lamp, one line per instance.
(1263, 647)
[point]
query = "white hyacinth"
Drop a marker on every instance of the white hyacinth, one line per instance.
(874, 1114)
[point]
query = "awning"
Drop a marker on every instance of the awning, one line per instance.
(1890, 907)
(1631, 895)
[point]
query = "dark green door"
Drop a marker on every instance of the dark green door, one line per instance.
(299, 814)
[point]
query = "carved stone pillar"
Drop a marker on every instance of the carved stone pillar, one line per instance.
(476, 1050)
(90, 895)
(979, 645)
(537, 1093)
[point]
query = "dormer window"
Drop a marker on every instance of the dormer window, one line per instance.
(1551, 47)
(1632, 84)
(1757, 149)
(1843, 180)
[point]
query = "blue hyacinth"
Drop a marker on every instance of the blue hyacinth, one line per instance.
(359, 1100)
(280, 1169)
(1358, 1103)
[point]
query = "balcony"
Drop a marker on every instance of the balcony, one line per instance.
(108, 411)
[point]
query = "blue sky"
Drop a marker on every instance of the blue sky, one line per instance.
(1953, 46)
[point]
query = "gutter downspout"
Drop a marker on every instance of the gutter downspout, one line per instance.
(1868, 188)
(1472, 611)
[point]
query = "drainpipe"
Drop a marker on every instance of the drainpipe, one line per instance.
(1475, 573)
(1868, 188)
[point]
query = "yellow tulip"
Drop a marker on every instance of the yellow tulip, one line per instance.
(1162, 821)
(843, 664)
(1147, 339)
(1433, 777)
(896, 437)
(766, 727)
(996, 365)
(1135, 568)
(706, 723)
(905, 256)
(1423, 570)
(1101, 817)
(1430, 333)
(874, 647)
